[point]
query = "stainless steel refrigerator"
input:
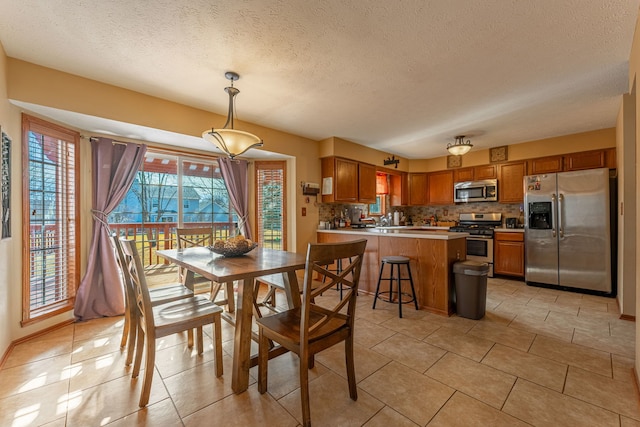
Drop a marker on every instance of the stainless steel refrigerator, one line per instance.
(567, 230)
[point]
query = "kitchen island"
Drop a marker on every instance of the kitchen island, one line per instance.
(432, 254)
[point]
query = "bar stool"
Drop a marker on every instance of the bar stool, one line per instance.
(396, 261)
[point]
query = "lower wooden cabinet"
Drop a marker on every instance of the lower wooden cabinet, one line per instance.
(508, 254)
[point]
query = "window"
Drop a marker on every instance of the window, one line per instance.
(270, 204)
(50, 218)
(171, 191)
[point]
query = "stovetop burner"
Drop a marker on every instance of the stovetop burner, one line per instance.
(478, 224)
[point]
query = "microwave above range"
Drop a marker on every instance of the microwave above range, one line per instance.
(476, 191)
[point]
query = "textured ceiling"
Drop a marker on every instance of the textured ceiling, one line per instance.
(401, 76)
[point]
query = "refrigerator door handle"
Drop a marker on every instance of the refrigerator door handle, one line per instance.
(560, 219)
(553, 211)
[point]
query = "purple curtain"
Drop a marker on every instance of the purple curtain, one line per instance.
(234, 174)
(114, 169)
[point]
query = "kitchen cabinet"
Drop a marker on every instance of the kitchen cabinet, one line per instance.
(366, 183)
(508, 256)
(477, 173)
(585, 160)
(399, 189)
(542, 165)
(418, 189)
(485, 172)
(510, 182)
(440, 190)
(352, 182)
(464, 174)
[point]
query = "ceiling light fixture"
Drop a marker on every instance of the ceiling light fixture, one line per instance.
(459, 147)
(232, 142)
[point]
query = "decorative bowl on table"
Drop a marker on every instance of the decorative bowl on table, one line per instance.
(236, 246)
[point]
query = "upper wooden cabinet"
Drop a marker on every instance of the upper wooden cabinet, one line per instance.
(399, 189)
(549, 164)
(418, 189)
(589, 160)
(349, 180)
(476, 173)
(366, 183)
(463, 174)
(485, 172)
(441, 188)
(510, 182)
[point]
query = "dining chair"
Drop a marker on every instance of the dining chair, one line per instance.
(158, 295)
(201, 236)
(312, 327)
(166, 319)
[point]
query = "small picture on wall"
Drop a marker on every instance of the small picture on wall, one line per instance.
(498, 154)
(454, 161)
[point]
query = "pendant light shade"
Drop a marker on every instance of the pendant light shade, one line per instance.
(459, 147)
(232, 142)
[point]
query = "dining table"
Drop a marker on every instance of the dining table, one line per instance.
(244, 269)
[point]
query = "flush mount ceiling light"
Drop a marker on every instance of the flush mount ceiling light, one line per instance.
(459, 147)
(232, 142)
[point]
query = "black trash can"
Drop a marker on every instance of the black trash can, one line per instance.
(471, 288)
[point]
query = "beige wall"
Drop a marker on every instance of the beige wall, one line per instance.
(51, 88)
(634, 70)
(520, 150)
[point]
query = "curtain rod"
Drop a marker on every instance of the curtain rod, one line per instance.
(114, 141)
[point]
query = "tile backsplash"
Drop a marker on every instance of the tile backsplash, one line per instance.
(419, 214)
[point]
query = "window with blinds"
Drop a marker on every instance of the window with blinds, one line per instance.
(270, 204)
(50, 240)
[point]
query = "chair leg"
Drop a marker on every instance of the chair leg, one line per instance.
(149, 367)
(139, 350)
(413, 289)
(399, 281)
(375, 297)
(217, 342)
(304, 391)
(351, 370)
(133, 328)
(125, 329)
(190, 338)
(263, 361)
(200, 340)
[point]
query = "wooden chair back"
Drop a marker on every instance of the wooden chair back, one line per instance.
(189, 237)
(130, 322)
(312, 327)
(320, 256)
(140, 290)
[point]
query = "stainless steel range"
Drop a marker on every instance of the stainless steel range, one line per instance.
(480, 226)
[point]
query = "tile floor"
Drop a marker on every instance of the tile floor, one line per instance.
(538, 357)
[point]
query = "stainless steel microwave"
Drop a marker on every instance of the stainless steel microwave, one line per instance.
(476, 191)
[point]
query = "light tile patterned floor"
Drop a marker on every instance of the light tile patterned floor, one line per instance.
(538, 357)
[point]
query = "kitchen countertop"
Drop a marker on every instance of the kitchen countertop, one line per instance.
(510, 230)
(435, 233)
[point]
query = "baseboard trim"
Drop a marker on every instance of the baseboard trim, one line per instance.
(6, 354)
(628, 317)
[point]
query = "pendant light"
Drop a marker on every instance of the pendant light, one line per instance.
(459, 147)
(232, 142)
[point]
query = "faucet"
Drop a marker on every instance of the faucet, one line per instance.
(383, 221)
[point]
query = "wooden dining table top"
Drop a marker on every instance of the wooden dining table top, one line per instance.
(258, 262)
